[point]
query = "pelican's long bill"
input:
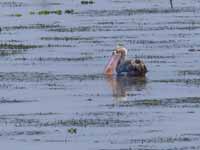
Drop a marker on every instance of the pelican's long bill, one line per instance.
(111, 66)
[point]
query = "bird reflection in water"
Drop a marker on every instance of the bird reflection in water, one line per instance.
(121, 85)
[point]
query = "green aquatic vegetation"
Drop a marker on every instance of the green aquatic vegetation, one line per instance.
(29, 114)
(58, 45)
(47, 12)
(12, 49)
(87, 2)
(10, 52)
(17, 46)
(181, 138)
(150, 102)
(83, 58)
(185, 81)
(69, 11)
(17, 133)
(58, 12)
(31, 12)
(65, 38)
(44, 12)
(194, 50)
(86, 53)
(72, 130)
(72, 29)
(16, 15)
(38, 77)
(86, 123)
(165, 102)
(32, 26)
(8, 101)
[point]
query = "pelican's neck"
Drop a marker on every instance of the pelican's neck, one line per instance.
(123, 52)
(123, 57)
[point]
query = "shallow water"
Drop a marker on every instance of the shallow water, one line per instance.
(53, 92)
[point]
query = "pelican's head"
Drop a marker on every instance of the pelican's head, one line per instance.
(118, 55)
(120, 49)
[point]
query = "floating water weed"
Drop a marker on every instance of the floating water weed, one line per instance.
(72, 130)
(17, 46)
(16, 15)
(12, 49)
(87, 2)
(31, 12)
(69, 11)
(47, 12)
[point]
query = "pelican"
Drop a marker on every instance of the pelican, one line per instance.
(121, 66)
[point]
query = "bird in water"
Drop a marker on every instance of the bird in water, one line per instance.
(121, 66)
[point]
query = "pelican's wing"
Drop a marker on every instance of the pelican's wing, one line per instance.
(137, 68)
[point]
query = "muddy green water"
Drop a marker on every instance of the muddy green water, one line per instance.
(53, 94)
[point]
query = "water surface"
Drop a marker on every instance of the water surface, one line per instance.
(53, 92)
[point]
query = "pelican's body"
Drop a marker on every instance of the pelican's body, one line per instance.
(122, 66)
(131, 68)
